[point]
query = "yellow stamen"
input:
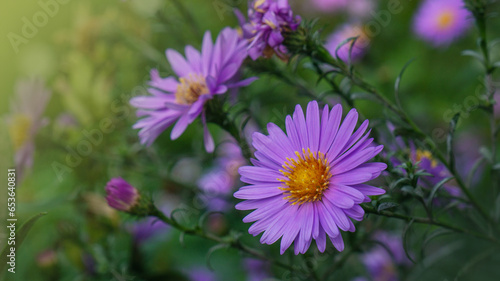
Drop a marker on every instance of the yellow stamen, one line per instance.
(445, 19)
(270, 23)
(257, 4)
(190, 89)
(306, 177)
(19, 130)
(421, 154)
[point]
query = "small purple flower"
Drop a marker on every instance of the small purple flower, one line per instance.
(441, 22)
(201, 76)
(343, 33)
(381, 262)
(307, 183)
(121, 195)
(267, 21)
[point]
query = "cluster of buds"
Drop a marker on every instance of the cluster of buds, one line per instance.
(268, 20)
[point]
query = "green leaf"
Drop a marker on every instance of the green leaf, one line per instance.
(398, 82)
(386, 205)
(434, 190)
(21, 234)
(405, 240)
(353, 39)
(213, 250)
(474, 54)
(486, 153)
(364, 96)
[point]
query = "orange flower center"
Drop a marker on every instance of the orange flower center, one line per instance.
(190, 89)
(445, 19)
(306, 177)
(421, 154)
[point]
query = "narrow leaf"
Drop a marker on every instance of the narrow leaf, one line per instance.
(398, 82)
(21, 234)
(405, 240)
(434, 190)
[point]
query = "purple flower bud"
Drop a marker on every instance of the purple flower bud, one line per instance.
(121, 195)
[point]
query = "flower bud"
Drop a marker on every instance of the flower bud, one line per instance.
(121, 195)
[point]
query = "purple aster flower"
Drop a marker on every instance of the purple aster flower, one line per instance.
(343, 33)
(121, 195)
(267, 20)
(308, 183)
(330, 5)
(201, 76)
(440, 22)
(382, 261)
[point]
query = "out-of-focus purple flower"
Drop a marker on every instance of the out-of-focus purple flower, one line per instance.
(360, 9)
(432, 166)
(46, 258)
(343, 33)
(307, 184)
(201, 274)
(201, 76)
(219, 182)
(25, 120)
(425, 161)
(121, 195)
(441, 22)
(330, 5)
(467, 153)
(382, 261)
(257, 270)
(267, 19)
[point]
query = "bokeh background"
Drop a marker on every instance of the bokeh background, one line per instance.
(92, 56)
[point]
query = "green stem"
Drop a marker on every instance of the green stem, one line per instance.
(236, 244)
(337, 264)
(428, 221)
(217, 115)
